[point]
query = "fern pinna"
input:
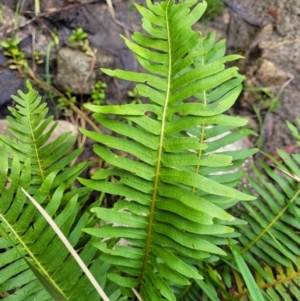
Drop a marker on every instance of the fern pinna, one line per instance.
(170, 214)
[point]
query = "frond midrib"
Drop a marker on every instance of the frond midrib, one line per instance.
(270, 225)
(159, 156)
(272, 284)
(30, 122)
(31, 255)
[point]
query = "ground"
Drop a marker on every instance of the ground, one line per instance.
(264, 32)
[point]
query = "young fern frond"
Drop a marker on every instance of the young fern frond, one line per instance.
(169, 213)
(27, 162)
(31, 131)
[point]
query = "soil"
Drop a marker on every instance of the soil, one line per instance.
(265, 32)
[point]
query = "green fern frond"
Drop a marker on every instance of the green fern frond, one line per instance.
(275, 220)
(42, 169)
(270, 242)
(162, 167)
(31, 131)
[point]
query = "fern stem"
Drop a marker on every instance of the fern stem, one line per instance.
(30, 121)
(276, 282)
(199, 153)
(31, 255)
(184, 293)
(159, 156)
(202, 130)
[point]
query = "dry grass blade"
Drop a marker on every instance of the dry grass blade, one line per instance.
(295, 177)
(68, 246)
(137, 294)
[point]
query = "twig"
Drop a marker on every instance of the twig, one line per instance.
(113, 15)
(92, 66)
(285, 85)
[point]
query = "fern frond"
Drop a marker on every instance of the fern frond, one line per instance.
(275, 220)
(282, 284)
(27, 244)
(31, 132)
(169, 213)
(270, 242)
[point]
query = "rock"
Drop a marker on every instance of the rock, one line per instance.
(103, 34)
(13, 82)
(270, 75)
(62, 127)
(107, 36)
(8, 21)
(236, 146)
(73, 68)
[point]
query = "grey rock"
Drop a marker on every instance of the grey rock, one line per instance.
(13, 82)
(73, 68)
(9, 21)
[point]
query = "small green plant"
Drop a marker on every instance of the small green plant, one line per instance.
(98, 93)
(55, 38)
(134, 96)
(65, 103)
(37, 57)
(264, 102)
(264, 98)
(78, 38)
(78, 35)
(12, 50)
